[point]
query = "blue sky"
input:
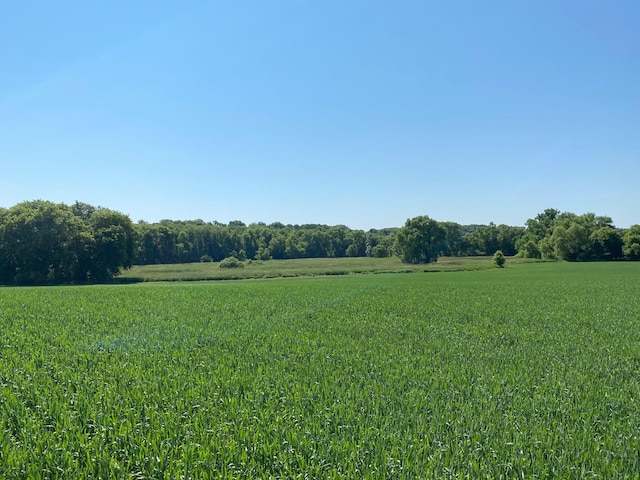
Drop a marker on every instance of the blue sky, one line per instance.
(362, 113)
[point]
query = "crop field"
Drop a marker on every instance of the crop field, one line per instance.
(532, 371)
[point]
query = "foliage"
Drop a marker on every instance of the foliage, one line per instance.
(114, 243)
(489, 238)
(380, 251)
(631, 243)
(528, 248)
(231, 262)
(93, 243)
(498, 259)
(421, 240)
(373, 376)
(171, 241)
(187, 241)
(45, 242)
(566, 236)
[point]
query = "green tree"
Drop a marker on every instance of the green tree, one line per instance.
(508, 237)
(357, 242)
(606, 243)
(631, 245)
(421, 240)
(585, 237)
(453, 238)
(41, 242)
(498, 259)
(527, 247)
(380, 251)
(570, 241)
(278, 245)
(541, 226)
(45, 242)
(115, 243)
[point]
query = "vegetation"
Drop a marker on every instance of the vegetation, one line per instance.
(188, 241)
(551, 235)
(631, 243)
(370, 376)
(421, 240)
(301, 267)
(567, 236)
(43, 242)
(231, 262)
(498, 259)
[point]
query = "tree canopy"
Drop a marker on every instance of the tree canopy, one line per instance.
(421, 240)
(555, 235)
(46, 242)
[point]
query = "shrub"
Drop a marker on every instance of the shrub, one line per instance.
(206, 258)
(380, 251)
(231, 262)
(498, 259)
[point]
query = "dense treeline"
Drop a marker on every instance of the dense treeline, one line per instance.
(551, 235)
(192, 241)
(554, 235)
(45, 242)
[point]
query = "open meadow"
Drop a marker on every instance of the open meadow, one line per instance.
(300, 267)
(532, 371)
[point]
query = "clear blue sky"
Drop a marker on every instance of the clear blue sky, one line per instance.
(362, 113)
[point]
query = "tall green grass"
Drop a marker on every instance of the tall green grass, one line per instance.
(300, 267)
(531, 372)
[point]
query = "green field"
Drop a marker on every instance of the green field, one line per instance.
(532, 371)
(301, 267)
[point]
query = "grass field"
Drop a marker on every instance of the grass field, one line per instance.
(532, 371)
(301, 267)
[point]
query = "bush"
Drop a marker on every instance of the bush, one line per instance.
(380, 251)
(231, 262)
(498, 259)
(206, 258)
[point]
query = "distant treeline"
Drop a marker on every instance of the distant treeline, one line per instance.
(172, 241)
(45, 242)
(556, 235)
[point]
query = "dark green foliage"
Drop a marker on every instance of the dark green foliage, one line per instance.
(231, 262)
(528, 248)
(498, 259)
(631, 245)
(486, 239)
(114, 243)
(421, 240)
(93, 243)
(566, 236)
(187, 241)
(380, 251)
(44, 242)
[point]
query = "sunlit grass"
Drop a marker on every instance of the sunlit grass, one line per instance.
(301, 267)
(532, 371)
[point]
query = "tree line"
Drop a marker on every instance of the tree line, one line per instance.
(556, 235)
(46, 242)
(551, 235)
(170, 241)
